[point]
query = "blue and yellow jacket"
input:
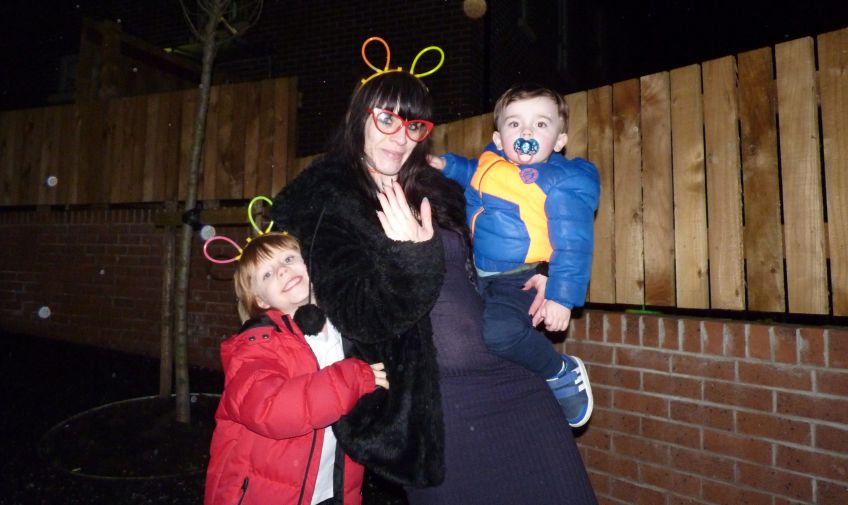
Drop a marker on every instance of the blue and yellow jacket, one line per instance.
(532, 213)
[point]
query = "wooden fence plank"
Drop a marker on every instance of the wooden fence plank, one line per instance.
(222, 171)
(150, 175)
(95, 151)
(690, 206)
(115, 168)
(600, 152)
(236, 171)
(577, 146)
(33, 136)
(206, 185)
(170, 140)
(801, 169)
(724, 189)
(187, 118)
(8, 130)
(629, 247)
(285, 113)
(264, 183)
(138, 136)
(251, 141)
(455, 137)
(833, 82)
(69, 154)
(761, 186)
(658, 190)
(439, 139)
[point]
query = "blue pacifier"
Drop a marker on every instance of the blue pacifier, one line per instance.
(526, 146)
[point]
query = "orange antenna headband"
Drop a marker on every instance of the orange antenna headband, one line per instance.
(385, 69)
(232, 242)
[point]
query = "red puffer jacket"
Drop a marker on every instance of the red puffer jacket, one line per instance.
(272, 416)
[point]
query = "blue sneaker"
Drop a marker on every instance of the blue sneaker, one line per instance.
(572, 390)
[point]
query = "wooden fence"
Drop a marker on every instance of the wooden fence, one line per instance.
(715, 194)
(137, 149)
(724, 184)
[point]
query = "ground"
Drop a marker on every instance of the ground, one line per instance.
(70, 435)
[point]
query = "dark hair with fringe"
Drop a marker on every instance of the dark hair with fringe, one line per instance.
(411, 99)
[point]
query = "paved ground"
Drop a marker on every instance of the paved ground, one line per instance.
(45, 382)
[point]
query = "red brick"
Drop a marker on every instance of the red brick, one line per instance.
(832, 383)
(812, 462)
(590, 352)
(596, 325)
(737, 395)
(636, 402)
(614, 420)
(831, 439)
(702, 463)
(650, 331)
(642, 358)
(786, 348)
(641, 449)
(812, 407)
(777, 376)
(612, 463)
(683, 500)
(746, 448)
(669, 334)
(668, 479)
(613, 328)
(630, 326)
(776, 481)
(599, 439)
(714, 337)
(713, 368)
(672, 385)
(603, 396)
(831, 492)
(702, 415)
(577, 328)
(837, 348)
(811, 346)
(600, 484)
(673, 433)
(716, 492)
(691, 335)
(615, 377)
(759, 342)
(774, 427)
(634, 494)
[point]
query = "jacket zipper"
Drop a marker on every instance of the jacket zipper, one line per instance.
(243, 490)
(308, 462)
(480, 193)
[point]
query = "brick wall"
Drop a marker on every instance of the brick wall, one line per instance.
(714, 412)
(100, 274)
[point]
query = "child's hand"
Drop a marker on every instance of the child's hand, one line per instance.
(436, 162)
(555, 315)
(537, 282)
(380, 378)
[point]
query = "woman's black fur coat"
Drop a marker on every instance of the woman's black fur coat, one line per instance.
(378, 293)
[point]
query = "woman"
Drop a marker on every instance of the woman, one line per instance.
(397, 283)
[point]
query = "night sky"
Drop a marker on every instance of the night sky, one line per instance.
(613, 40)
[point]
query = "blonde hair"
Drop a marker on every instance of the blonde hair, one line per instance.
(259, 249)
(526, 91)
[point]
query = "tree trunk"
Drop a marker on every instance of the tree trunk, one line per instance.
(184, 259)
(166, 345)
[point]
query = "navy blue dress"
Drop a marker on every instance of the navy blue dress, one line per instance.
(506, 439)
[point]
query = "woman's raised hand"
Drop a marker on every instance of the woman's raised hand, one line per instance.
(397, 218)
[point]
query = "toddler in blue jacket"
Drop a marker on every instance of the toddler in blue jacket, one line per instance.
(529, 210)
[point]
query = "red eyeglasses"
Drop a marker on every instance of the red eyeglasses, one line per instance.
(389, 123)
